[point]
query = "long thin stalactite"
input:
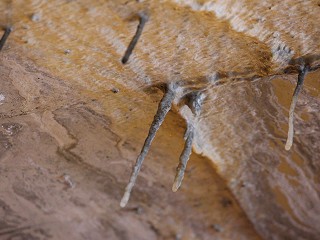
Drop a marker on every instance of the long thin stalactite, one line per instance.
(294, 100)
(163, 108)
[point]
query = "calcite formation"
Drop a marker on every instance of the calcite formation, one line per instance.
(74, 117)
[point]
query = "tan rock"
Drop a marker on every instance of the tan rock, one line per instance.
(68, 140)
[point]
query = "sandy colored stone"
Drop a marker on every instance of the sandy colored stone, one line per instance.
(68, 140)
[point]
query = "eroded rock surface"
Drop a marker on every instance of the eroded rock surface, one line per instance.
(65, 159)
(74, 119)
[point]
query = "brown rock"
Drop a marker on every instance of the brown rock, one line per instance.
(67, 143)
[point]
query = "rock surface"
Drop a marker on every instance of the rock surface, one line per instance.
(74, 118)
(66, 157)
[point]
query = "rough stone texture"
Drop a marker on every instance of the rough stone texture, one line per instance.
(65, 160)
(279, 190)
(73, 119)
